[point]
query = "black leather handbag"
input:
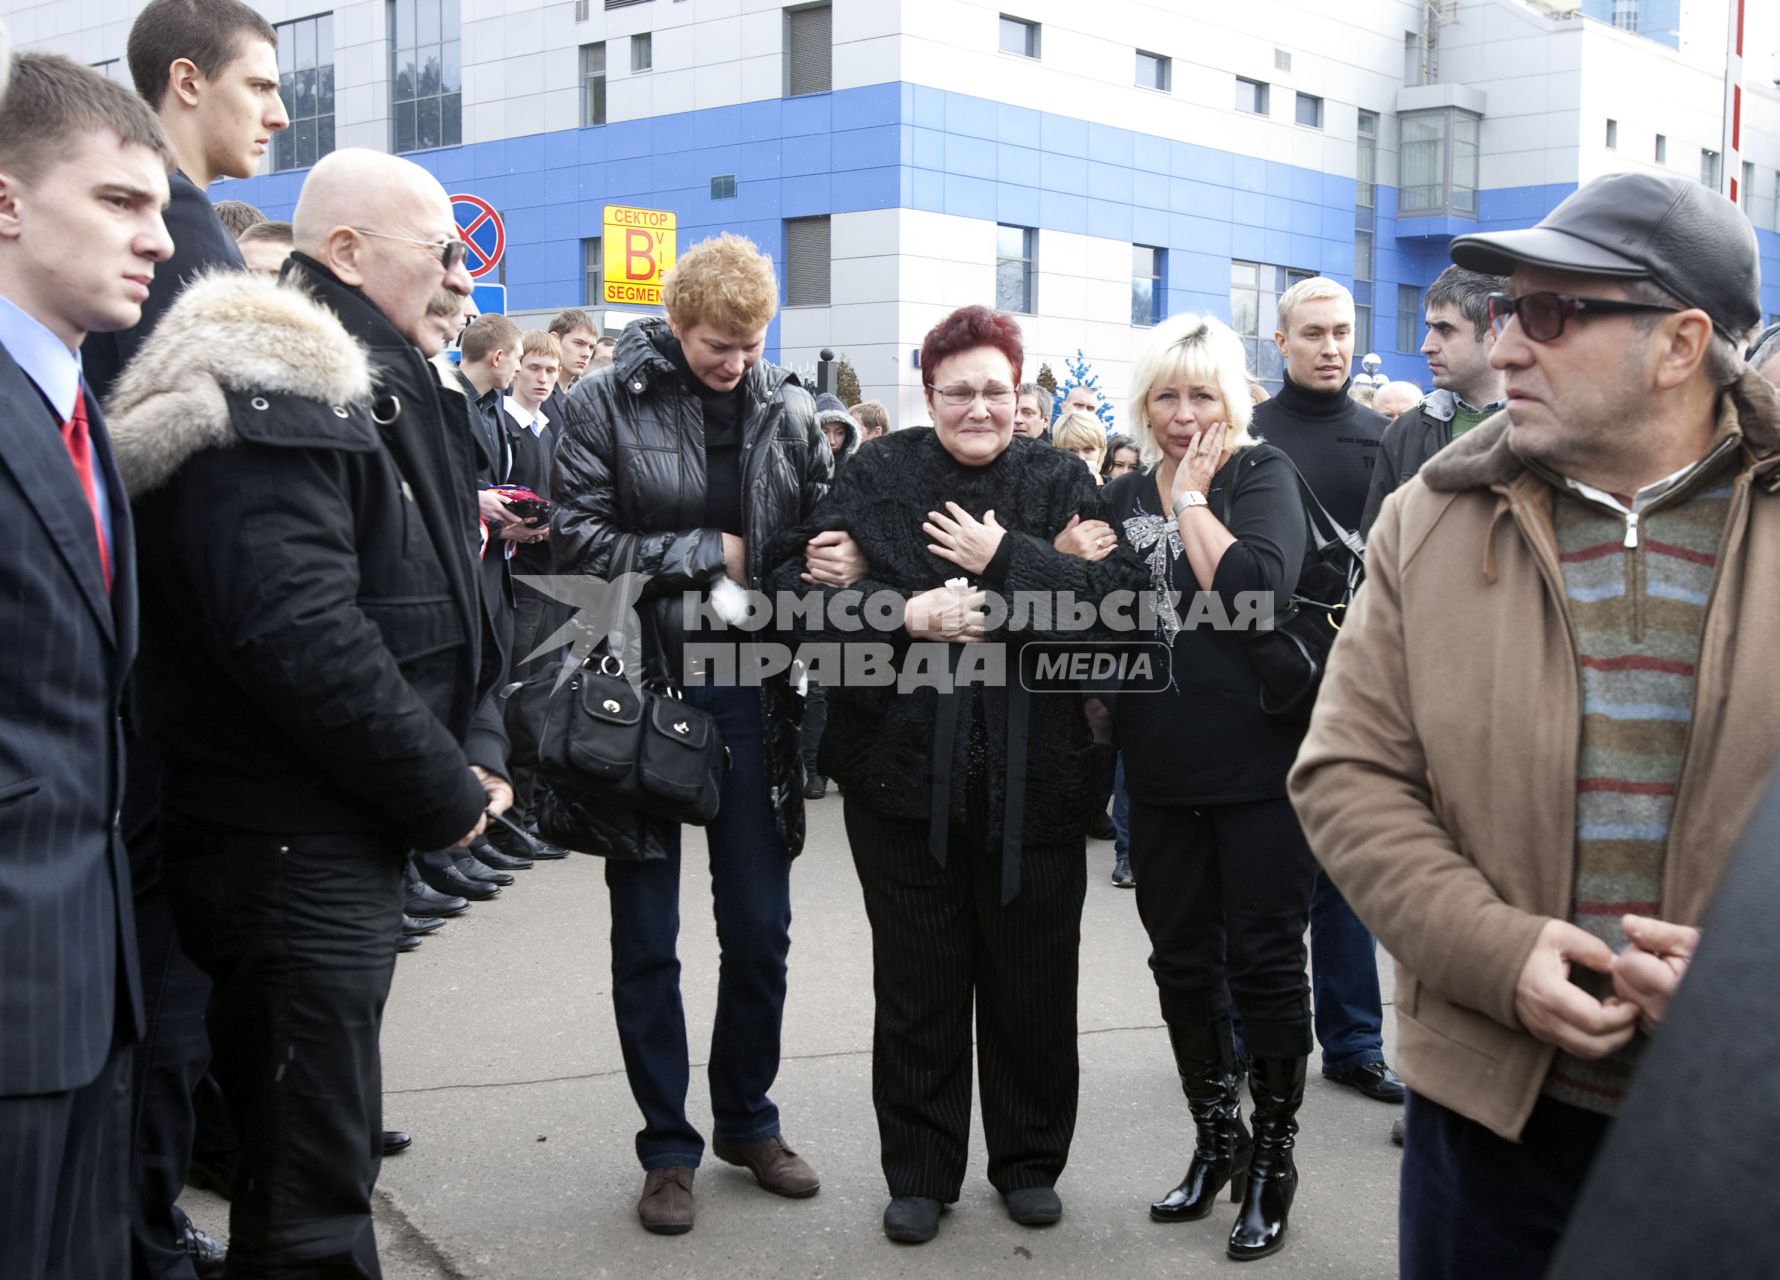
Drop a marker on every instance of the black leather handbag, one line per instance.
(608, 743)
(1291, 655)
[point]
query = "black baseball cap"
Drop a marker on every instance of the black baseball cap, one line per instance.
(1669, 230)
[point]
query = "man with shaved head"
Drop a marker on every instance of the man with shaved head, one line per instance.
(313, 656)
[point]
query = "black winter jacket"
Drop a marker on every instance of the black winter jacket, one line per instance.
(1412, 439)
(629, 484)
(312, 652)
(880, 742)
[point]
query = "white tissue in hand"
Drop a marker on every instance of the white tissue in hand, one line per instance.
(959, 586)
(729, 601)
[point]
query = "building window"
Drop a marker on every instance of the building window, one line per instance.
(1711, 169)
(723, 187)
(593, 84)
(806, 262)
(1625, 14)
(1366, 161)
(1409, 317)
(1414, 59)
(1146, 284)
(1013, 268)
(581, 8)
(1251, 96)
(1362, 255)
(623, 4)
(306, 83)
(1310, 111)
(809, 49)
(1154, 71)
(1662, 149)
(1438, 157)
(1254, 314)
(1746, 192)
(426, 75)
(1282, 60)
(642, 52)
(590, 273)
(1613, 135)
(1019, 36)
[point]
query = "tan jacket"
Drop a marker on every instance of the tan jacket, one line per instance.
(1438, 781)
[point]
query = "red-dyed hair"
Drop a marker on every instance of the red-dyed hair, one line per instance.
(970, 327)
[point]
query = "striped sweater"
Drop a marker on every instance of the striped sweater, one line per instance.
(1637, 587)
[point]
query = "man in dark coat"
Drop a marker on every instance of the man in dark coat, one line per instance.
(313, 656)
(83, 177)
(209, 69)
(683, 462)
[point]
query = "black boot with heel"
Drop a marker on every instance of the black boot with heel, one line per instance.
(1206, 1060)
(1277, 1086)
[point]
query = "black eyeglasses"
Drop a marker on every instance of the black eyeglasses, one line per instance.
(451, 252)
(1543, 316)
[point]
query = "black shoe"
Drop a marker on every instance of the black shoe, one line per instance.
(489, 856)
(1277, 1086)
(1121, 875)
(520, 842)
(407, 942)
(815, 787)
(425, 902)
(1100, 827)
(416, 928)
(468, 867)
(912, 1219)
(208, 1254)
(1205, 1057)
(212, 1173)
(453, 881)
(395, 1140)
(1034, 1206)
(1376, 1080)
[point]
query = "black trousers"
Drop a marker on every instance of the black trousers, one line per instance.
(941, 941)
(297, 935)
(65, 1178)
(815, 720)
(1474, 1206)
(169, 1069)
(1224, 893)
(535, 617)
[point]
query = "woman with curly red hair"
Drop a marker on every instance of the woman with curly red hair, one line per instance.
(966, 804)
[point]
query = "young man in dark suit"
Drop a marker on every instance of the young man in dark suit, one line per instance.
(209, 71)
(83, 180)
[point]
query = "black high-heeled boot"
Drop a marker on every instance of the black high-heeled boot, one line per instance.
(1277, 1086)
(1206, 1060)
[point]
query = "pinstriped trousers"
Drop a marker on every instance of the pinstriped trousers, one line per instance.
(941, 943)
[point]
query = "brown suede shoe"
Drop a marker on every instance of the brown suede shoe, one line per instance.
(775, 1165)
(666, 1207)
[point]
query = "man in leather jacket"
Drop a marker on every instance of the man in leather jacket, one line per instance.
(314, 653)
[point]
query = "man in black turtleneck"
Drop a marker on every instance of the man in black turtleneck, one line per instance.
(1333, 439)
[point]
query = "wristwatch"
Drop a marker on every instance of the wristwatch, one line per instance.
(1191, 498)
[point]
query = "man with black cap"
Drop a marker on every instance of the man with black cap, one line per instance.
(1535, 832)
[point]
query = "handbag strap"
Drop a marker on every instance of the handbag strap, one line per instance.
(1328, 530)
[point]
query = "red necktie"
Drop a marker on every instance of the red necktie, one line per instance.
(80, 452)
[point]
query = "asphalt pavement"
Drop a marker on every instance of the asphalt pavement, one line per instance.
(501, 1057)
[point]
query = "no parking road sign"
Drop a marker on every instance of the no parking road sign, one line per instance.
(482, 229)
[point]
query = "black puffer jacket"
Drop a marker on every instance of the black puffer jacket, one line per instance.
(629, 488)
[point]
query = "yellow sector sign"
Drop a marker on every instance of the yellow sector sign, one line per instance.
(638, 248)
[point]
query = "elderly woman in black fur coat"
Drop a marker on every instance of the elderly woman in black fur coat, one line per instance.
(966, 804)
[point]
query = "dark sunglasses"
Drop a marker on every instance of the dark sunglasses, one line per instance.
(1543, 316)
(451, 252)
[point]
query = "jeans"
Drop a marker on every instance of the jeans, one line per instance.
(1343, 983)
(1121, 813)
(1474, 1206)
(297, 935)
(751, 898)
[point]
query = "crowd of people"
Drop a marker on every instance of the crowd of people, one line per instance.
(284, 544)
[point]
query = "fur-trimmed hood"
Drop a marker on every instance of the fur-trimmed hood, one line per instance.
(229, 332)
(1481, 458)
